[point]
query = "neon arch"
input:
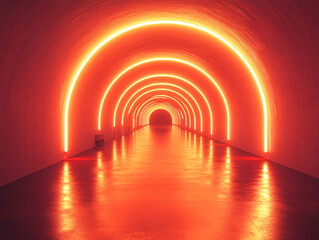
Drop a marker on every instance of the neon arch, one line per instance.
(169, 76)
(164, 108)
(168, 108)
(152, 106)
(149, 104)
(170, 98)
(158, 106)
(160, 97)
(136, 125)
(167, 22)
(167, 84)
(160, 75)
(165, 89)
(173, 60)
(191, 107)
(142, 108)
(182, 105)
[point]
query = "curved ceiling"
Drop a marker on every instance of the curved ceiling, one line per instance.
(146, 24)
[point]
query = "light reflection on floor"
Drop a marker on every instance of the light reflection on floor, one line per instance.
(162, 183)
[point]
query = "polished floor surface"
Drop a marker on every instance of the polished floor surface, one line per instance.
(162, 183)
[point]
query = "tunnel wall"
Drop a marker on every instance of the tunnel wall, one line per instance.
(43, 43)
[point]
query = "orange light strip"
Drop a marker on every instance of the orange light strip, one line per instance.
(165, 89)
(181, 106)
(155, 107)
(163, 106)
(168, 76)
(171, 109)
(136, 124)
(182, 103)
(133, 116)
(188, 122)
(143, 106)
(173, 60)
(172, 85)
(165, 22)
(166, 96)
(158, 97)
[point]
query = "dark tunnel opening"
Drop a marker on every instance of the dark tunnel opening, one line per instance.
(160, 116)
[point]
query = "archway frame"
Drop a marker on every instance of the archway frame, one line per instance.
(159, 108)
(168, 108)
(168, 90)
(184, 104)
(150, 77)
(162, 97)
(162, 84)
(168, 22)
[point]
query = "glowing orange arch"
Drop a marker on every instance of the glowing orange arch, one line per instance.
(152, 106)
(166, 84)
(142, 108)
(167, 108)
(191, 107)
(175, 99)
(163, 106)
(149, 103)
(163, 97)
(173, 60)
(163, 22)
(168, 105)
(159, 106)
(187, 102)
(169, 76)
(158, 97)
(182, 105)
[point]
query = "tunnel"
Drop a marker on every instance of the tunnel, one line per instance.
(159, 119)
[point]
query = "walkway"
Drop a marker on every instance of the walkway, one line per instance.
(162, 183)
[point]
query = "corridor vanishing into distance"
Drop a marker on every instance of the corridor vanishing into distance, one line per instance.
(162, 182)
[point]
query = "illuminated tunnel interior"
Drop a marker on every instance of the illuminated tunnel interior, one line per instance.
(160, 104)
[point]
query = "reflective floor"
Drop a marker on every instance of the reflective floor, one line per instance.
(162, 183)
